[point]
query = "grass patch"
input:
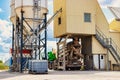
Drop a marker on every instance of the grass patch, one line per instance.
(3, 67)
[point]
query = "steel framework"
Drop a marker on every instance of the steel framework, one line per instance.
(24, 40)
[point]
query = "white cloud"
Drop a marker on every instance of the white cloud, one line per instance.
(6, 56)
(1, 10)
(116, 3)
(0, 39)
(5, 46)
(5, 29)
(51, 44)
(112, 3)
(5, 34)
(50, 2)
(101, 1)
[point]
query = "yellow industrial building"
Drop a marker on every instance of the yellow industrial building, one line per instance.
(85, 19)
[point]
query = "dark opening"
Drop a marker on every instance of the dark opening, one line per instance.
(59, 20)
(86, 42)
(102, 57)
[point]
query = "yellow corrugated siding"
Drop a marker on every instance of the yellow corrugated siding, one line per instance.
(101, 21)
(115, 25)
(59, 30)
(97, 48)
(75, 16)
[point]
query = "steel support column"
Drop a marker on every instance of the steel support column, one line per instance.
(45, 22)
(21, 41)
(36, 45)
(39, 44)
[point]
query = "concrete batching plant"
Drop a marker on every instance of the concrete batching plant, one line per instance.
(86, 26)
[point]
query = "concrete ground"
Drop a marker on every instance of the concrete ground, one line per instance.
(62, 75)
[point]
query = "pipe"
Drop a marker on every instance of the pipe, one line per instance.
(39, 43)
(21, 40)
(13, 39)
(45, 21)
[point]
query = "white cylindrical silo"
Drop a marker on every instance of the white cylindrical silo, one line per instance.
(27, 7)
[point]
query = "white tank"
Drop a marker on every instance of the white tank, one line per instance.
(12, 15)
(27, 6)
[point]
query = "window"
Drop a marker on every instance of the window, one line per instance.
(87, 17)
(59, 20)
(101, 56)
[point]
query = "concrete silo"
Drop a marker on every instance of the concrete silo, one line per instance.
(28, 18)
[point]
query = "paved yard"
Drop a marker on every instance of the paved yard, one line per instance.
(62, 75)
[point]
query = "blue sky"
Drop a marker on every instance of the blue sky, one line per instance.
(4, 9)
(5, 28)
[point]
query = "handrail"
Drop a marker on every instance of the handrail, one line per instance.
(101, 35)
(99, 30)
(115, 46)
(109, 41)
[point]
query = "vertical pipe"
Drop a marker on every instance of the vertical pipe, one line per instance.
(36, 45)
(17, 44)
(39, 43)
(107, 61)
(13, 39)
(13, 54)
(99, 60)
(45, 21)
(21, 40)
(35, 52)
(58, 50)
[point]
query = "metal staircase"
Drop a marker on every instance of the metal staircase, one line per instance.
(109, 44)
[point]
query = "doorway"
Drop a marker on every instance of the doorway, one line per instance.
(87, 52)
(99, 61)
